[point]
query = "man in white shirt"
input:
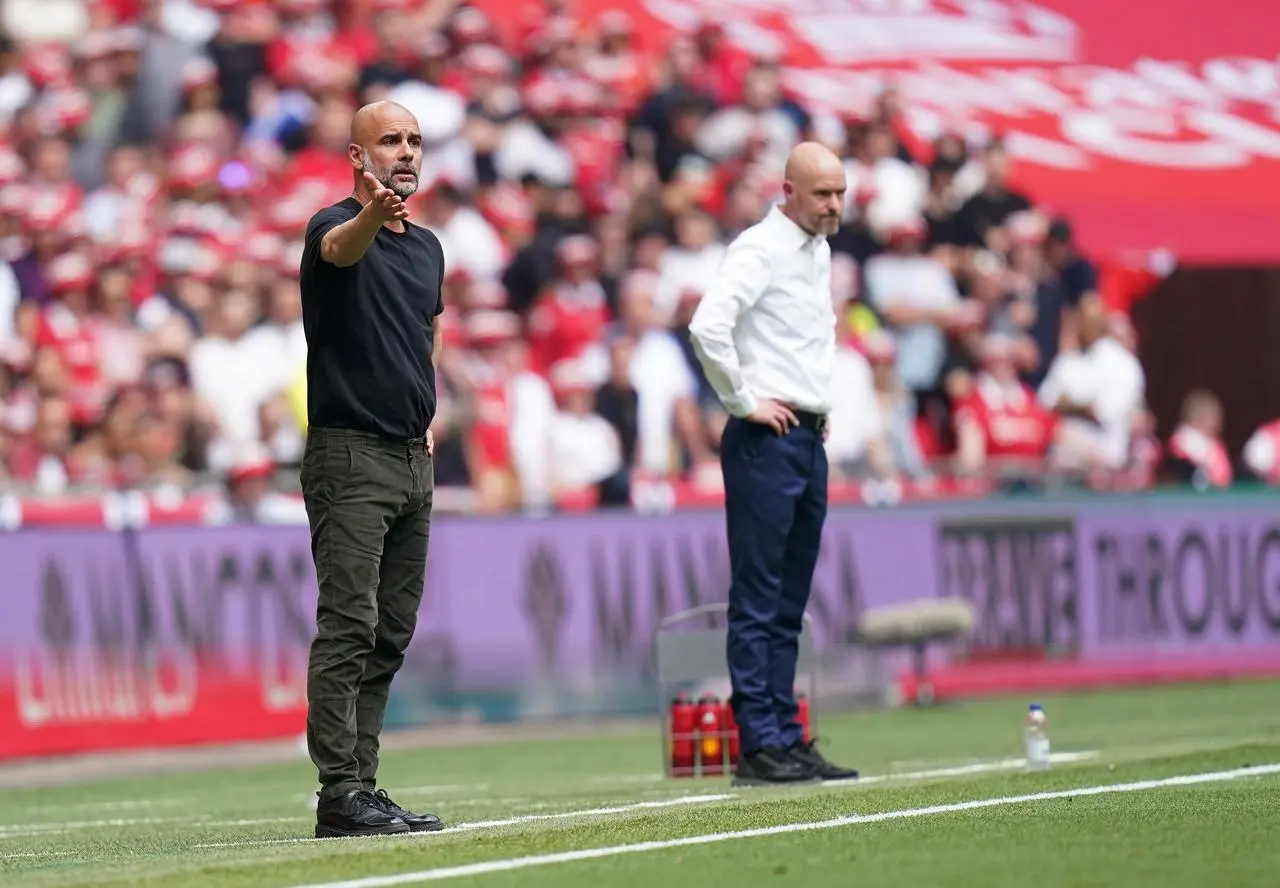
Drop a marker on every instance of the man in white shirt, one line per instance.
(765, 335)
(1097, 391)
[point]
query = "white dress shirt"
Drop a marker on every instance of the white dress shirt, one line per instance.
(766, 328)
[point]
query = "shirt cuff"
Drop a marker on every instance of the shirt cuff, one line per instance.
(743, 405)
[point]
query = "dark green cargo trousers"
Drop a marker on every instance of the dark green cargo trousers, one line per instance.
(368, 500)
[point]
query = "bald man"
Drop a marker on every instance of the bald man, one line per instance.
(765, 334)
(371, 299)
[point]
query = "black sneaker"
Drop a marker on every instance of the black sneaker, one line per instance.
(416, 822)
(807, 755)
(771, 767)
(358, 813)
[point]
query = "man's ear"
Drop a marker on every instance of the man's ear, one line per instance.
(356, 155)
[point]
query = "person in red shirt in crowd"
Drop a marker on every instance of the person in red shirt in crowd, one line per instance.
(1196, 454)
(513, 409)
(43, 458)
(568, 319)
(69, 327)
(1000, 426)
(616, 65)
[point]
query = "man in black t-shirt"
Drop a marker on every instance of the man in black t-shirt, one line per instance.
(371, 296)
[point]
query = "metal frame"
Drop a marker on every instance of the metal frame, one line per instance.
(695, 645)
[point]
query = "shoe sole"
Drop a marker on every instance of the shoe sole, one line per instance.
(760, 781)
(430, 827)
(334, 832)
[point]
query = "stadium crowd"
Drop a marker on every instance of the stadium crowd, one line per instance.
(160, 160)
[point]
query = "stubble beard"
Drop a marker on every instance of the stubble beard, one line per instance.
(386, 177)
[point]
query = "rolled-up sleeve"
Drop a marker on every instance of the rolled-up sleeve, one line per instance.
(740, 281)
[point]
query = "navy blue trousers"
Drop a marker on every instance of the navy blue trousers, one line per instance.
(775, 505)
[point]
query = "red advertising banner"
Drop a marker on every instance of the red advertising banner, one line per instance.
(1155, 125)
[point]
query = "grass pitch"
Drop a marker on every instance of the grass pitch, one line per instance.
(944, 806)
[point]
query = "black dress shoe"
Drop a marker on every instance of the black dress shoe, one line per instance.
(416, 822)
(358, 813)
(807, 755)
(771, 767)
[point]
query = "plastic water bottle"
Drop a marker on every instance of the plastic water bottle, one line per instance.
(1037, 738)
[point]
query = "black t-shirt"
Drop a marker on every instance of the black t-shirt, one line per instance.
(983, 210)
(371, 329)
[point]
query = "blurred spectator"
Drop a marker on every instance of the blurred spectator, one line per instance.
(234, 371)
(1262, 452)
(883, 187)
(585, 449)
(897, 408)
(250, 497)
(1196, 455)
(618, 402)
(471, 245)
(919, 302)
(689, 264)
(1000, 427)
(514, 407)
(43, 458)
(663, 382)
(1072, 278)
(1096, 393)
(570, 315)
(983, 215)
(856, 441)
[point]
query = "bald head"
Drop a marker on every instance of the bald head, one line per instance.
(814, 183)
(386, 141)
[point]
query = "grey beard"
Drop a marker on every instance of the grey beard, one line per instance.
(384, 176)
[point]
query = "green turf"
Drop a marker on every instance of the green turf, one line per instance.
(143, 832)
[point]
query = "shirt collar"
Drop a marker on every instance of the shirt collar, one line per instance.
(793, 236)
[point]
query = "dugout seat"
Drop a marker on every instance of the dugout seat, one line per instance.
(915, 625)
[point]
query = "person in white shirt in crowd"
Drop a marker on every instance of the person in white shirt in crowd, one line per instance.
(664, 383)
(281, 329)
(894, 191)
(585, 449)
(857, 446)
(917, 297)
(234, 372)
(1196, 454)
(688, 264)
(765, 334)
(470, 243)
(897, 409)
(1096, 391)
(761, 116)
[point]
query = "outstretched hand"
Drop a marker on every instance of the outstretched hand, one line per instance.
(386, 204)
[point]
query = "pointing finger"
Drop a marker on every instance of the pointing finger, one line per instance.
(372, 181)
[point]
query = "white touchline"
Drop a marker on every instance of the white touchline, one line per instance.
(18, 831)
(516, 863)
(1058, 758)
(954, 771)
(509, 821)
